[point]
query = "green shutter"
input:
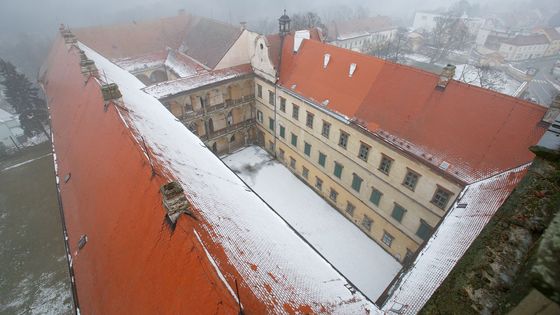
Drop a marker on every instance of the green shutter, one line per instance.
(307, 149)
(398, 212)
(375, 197)
(282, 132)
(322, 159)
(270, 123)
(294, 140)
(337, 170)
(356, 183)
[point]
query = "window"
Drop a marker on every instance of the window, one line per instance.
(364, 151)
(338, 169)
(292, 162)
(304, 172)
(385, 165)
(318, 183)
(271, 98)
(281, 154)
(271, 124)
(333, 195)
(398, 212)
(343, 140)
(259, 116)
(411, 179)
(350, 208)
(408, 256)
(322, 159)
(424, 230)
(259, 90)
(375, 196)
(441, 197)
(295, 111)
(356, 182)
(282, 104)
(387, 239)
(294, 140)
(309, 120)
(271, 145)
(307, 149)
(367, 222)
(282, 132)
(326, 129)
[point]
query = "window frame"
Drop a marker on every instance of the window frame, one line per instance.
(307, 148)
(260, 116)
(328, 129)
(318, 183)
(429, 227)
(388, 236)
(309, 119)
(259, 90)
(343, 143)
(282, 104)
(293, 140)
(271, 96)
(369, 221)
(323, 157)
(410, 171)
(292, 163)
(271, 123)
(357, 181)
(282, 131)
(395, 214)
(373, 189)
(350, 208)
(381, 164)
(295, 111)
(304, 172)
(367, 147)
(449, 193)
(332, 193)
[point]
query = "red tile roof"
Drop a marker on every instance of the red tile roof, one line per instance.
(479, 132)
(133, 263)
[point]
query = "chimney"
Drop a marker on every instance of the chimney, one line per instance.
(553, 111)
(446, 75)
(174, 200)
(110, 92)
(88, 67)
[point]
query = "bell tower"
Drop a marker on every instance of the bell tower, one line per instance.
(284, 24)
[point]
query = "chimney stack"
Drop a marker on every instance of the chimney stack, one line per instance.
(446, 75)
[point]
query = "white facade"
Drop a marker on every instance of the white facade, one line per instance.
(359, 42)
(513, 52)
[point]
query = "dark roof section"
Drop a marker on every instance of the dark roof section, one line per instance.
(209, 40)
(203, 39)
(528, 40)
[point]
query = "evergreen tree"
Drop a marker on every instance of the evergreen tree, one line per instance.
(24, 99)
(19, 91)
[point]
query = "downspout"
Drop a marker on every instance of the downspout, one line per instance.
(276, 95)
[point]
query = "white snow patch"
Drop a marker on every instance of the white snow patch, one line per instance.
(491, 79)
(356, 256)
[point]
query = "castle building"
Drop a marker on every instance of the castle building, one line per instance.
(400, 152)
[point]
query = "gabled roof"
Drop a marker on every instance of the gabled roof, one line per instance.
(345, 29)
(478, 132)
(274, 43)
(203, 39)
(458, 230)
(527, 40)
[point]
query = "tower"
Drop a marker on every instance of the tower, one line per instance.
(284, 24)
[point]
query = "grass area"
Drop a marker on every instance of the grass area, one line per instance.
(34, 276)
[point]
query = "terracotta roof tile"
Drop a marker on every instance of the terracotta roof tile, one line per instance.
(479, 132)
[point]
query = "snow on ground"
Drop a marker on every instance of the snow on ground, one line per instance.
(491, 79)
(354, 254)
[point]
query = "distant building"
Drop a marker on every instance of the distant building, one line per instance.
(522, 47)
(359, 34)
(553, 36)
(427, 21)
(10, 130)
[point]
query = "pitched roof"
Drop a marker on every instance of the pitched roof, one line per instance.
(133, 263)
(527, 40)
(203, 39)
(552, 33)
(477, 131)
(197, 80)
(461, 226)
(354, 27)
(274, 43)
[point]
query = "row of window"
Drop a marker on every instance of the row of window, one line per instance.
(424, 229)
(440, 198)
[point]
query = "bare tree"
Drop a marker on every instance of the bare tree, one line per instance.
(450, 33)
(392, 49)
(483, 76)
(304, 21)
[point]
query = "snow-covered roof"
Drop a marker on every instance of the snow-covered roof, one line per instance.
(282, 270)
(139, 63)
(465, 220)
(182, 65)
(173, 87)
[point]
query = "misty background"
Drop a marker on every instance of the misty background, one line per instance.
(27, 27)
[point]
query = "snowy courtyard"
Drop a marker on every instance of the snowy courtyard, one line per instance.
(353, 253)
